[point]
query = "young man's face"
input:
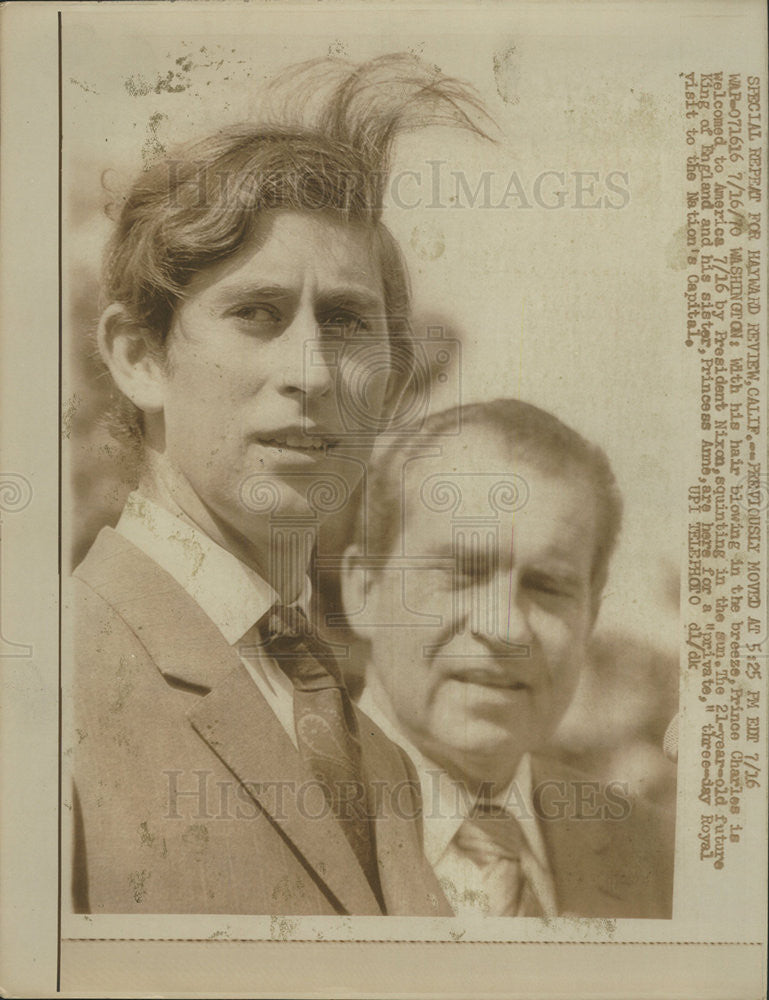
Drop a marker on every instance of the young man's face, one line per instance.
(490, 675)
(251, 392)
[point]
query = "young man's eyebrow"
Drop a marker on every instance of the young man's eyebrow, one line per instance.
(362, 299)
(250, 290)
(356, 298)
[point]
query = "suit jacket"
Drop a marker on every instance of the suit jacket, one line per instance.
(609, 855)
(188, 795)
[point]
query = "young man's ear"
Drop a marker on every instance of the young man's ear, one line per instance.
(354, 587)
(128, 351)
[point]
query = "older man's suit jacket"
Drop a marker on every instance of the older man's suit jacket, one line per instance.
(610, 855)
(188, 795)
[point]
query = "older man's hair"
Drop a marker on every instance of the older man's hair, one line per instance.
(326, 145)
(529, 434)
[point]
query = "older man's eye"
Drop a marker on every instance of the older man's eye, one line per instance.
(474, 568)
(549, 586)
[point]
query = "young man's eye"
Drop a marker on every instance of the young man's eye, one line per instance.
(260, 313)
(343, 319)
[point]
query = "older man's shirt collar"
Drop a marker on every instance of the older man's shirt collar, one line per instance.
(445, 802)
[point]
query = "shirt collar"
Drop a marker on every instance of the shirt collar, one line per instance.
(233, 595)
(445, 803)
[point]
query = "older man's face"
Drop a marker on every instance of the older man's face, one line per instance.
(499, 607)
(251, 410)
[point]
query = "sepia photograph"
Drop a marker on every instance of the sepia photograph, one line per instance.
(262, 368)
(412, 498)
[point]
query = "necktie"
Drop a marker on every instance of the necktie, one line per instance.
(326, 726)
(492, 838)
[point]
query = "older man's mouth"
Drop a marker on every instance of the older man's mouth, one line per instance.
(490, 679)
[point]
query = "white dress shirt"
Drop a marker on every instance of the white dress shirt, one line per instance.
(232, 594)
(446, 805)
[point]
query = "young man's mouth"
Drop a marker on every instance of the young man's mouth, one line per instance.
(299, 443)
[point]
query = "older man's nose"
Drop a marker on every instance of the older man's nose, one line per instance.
(500, 615)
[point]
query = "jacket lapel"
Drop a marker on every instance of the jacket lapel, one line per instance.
(245, 734)
(409, 884)
(181, 639)
(232, 716)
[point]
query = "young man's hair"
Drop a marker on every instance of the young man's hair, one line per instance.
(325, 146)
(531, 436)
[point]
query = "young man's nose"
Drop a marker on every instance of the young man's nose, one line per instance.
(306, 367)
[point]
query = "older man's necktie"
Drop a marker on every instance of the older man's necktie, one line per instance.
(326, 726)
(492, 838)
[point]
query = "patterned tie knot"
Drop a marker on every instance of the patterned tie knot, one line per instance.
(308, 661)
(491, 832)
(286, 622)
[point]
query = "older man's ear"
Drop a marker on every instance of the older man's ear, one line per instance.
(354, 587)
(131, 355)
(596, 598)
(595, 608)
